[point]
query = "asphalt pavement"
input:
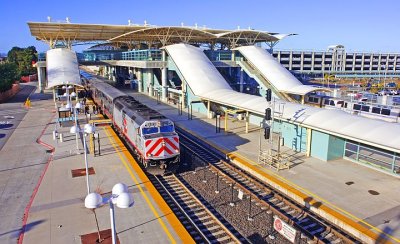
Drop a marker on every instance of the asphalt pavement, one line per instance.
(12, 112)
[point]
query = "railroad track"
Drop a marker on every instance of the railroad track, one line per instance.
(312, 227)
(203, 223)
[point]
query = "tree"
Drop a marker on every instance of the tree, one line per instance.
(8, 75)
(23, 58)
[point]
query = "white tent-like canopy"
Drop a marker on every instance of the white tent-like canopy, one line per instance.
(207, 83)
(278, 75)
(62, 68)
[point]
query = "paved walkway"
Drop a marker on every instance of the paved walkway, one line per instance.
(363, 194)
(21, 163)
(12, 112)
(57, 214)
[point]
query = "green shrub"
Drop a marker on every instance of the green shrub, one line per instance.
(8, 75)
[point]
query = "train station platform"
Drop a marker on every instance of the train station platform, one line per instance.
(49, 191)
(355, 193)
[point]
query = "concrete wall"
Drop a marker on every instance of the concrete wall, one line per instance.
(294, 136)
(326, 147)
(319, 145)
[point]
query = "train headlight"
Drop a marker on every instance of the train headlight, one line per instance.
(176, 150)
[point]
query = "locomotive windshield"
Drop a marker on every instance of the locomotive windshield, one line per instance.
(167, 128)
(152, 127)
(151, 130)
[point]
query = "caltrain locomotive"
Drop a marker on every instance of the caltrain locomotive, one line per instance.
(150, 135)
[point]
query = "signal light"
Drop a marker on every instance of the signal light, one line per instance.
(268, 95)
(267, 114)
(267, 132)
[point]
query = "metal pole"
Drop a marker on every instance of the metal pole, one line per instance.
(112, 219)
(98, 142)
(249, 218)
(204, 174)
(217, 191)
(94, 144)
(219, 123)
(191, 111)
(216, 124)
(86, 164)
(76, 134)
(232, 203)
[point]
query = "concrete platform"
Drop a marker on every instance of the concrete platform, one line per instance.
(56, 213)
(353, 191)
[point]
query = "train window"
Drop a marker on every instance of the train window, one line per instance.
(331, 102)
(150, 130)
(345, 105)
(357, 107)
(167, 128)
(365, 108)
(385, 111)
(313, 99)
(340, 103)
(326, 101)
(376, 110)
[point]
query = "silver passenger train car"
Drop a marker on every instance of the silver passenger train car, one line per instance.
(151, 135)
(388, 113)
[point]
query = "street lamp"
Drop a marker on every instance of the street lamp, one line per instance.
(119, 197)
(88, 129)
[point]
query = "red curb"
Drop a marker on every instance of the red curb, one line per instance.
(28, 207)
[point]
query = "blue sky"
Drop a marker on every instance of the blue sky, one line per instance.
(359, 25)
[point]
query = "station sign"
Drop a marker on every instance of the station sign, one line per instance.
(285, 229)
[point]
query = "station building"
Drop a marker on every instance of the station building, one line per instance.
(226, 72)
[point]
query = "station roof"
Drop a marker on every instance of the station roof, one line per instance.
(62, 68)
(207, 83)
(73, 32)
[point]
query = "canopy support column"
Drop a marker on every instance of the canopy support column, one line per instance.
(247, 121)
(226, 121)
(164, 77)
(151, 82)
(309, 138)
(241, 80)
(209, 110)
(140, 81)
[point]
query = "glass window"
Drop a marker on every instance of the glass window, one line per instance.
(167, 128)
(150, 130)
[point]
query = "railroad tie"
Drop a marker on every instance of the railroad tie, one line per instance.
(310, 225)
(337, 241)
(319, 230)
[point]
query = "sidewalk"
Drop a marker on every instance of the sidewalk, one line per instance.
(38, 181)
(22, 161)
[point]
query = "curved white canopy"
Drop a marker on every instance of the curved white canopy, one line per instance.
(275, 73)
(62, 68)
(207, 83)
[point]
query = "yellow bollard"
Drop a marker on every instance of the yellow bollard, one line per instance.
(91, 143)
(27, 103)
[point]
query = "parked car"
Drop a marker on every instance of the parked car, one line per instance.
(383, 92)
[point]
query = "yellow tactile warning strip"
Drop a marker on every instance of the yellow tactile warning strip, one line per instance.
(165, 209)
(294, 189)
